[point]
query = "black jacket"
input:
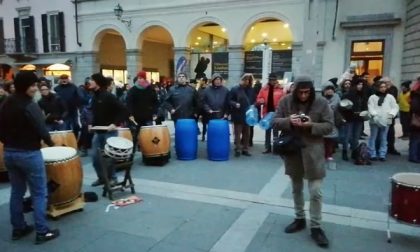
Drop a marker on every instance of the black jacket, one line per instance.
(360, 100)
(215, 99)
(142, 103)
(22, 124)
(184, 99)
(70, 95)
(54, 108)
(107, 109)
(245, 97)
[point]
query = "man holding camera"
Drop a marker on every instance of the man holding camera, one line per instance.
(309, 117)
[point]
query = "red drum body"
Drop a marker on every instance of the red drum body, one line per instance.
(405, 198)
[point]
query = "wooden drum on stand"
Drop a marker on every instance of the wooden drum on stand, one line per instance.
(155, 144)
(64, 174)
(63, 138)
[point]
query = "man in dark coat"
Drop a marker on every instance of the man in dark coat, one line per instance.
(182, 100)
(53, 107)
(308, 163)
(241, 97)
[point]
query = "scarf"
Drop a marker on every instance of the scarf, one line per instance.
(381, 97)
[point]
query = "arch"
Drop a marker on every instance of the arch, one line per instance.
(201, 21)
(261, 16)
(100, 32)
(151, 24)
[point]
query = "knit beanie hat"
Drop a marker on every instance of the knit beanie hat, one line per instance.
(215, 76)
(141, 74)
(100, 80)
(23, 80)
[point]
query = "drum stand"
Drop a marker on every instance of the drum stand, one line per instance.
(75, 205)
(125, 166)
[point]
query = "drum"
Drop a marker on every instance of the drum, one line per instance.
(125, 133)
(218, 142)
(155, 142)
(405, 198)
(64, 174)
(118, 148)
(186, 139)
(63, 138)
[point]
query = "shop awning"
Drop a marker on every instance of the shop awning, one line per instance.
(46, 61)
(7, 61)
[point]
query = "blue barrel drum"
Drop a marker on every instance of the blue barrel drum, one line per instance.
(186, 139)
(218, 143)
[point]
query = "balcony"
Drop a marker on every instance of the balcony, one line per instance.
(22, 49)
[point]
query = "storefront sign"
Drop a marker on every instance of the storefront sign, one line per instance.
(254, 63)
(221, 64)
(281, 62)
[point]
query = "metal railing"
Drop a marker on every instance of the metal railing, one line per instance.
(12, 46)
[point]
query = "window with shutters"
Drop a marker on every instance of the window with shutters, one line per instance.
(54, 36)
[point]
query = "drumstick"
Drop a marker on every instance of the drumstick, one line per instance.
(215, 111)
(134, 121)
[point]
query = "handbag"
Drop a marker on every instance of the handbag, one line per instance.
(287, 143)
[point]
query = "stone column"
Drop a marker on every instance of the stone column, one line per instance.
(85, 64)
(236, 64)
(133, 62)
(411, 52)
(182, 65)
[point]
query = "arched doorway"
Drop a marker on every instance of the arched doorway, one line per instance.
(208, 43)
(268, 49)
(157, 52)
(111, 55)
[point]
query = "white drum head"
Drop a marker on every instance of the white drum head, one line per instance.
(123, 129)
(407, 178)
(119, 143)
(57, 153)
(153, 126)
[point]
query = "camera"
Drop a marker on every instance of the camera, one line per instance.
(303, 118)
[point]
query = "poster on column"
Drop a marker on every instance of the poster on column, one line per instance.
(281, 62)
(220, 64)
(254, 63)
(200, 65)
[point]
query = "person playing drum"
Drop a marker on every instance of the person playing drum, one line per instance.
(22, 126)
(107, 111)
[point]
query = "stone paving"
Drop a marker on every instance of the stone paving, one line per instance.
(239, 205)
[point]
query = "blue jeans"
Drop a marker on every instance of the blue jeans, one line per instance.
(414, 147)
(27, 167)
(99, 141)
(352, 131)
(380, 133)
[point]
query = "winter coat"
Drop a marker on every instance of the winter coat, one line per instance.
(245, 97)
(184, 100)
(53, 107)
(142, 103)
(309, 162)
(415, 109)
(70, 95)
(263, 94)
(215, 99)
(382, 115)
(359, 100)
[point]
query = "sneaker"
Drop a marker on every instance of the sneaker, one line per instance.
(394, 152)
(295, 226)
(266, 151)
(382, 159)
(330, 159)
(98, 182)
(20, 233)
(246, 153)
(48, 236)
(319, 237)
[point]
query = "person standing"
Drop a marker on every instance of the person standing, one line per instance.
(404, 103)
(3, 94)
(85, 138)
(241, 97)
(269, 98)
(22, 127)
(257, 87)
(53, 107)
(142, 104)
(70, 95)
(392, 90)
(308, 163)
(108, 111)
(202, 85)
(182, 100)
(382, 108)
(414, 140)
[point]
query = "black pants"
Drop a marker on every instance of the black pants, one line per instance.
(391, 136)
(405, 119)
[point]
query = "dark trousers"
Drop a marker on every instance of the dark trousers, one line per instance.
(268, 137)
(85, 139)
(405, 119)
(241, 136)
(391, 136)
(414, 147)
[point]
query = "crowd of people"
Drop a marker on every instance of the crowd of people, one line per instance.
(30, 107)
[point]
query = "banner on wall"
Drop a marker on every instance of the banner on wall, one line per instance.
(254, 63)
(220, 64)
(200, 65)
(181, 65)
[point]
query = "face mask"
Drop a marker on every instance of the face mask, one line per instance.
(329, 96)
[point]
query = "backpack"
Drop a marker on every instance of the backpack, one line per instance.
(361, 155)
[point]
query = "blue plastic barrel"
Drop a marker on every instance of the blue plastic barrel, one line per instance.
(218, 143)
(251, 116)
(267, 121)
(186, 139)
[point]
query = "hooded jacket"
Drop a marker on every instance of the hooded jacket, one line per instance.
(215, 98)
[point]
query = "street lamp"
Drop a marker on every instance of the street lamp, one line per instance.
(118, 11)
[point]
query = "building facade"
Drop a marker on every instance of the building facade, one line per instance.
(317, 37)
